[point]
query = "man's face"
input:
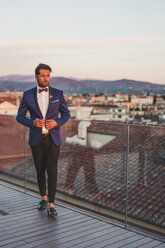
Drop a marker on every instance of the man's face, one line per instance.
(43, 78)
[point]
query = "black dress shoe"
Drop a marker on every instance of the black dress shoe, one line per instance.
(51, 212)
(42, 205)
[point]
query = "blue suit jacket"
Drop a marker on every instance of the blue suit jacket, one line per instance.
(57, 104)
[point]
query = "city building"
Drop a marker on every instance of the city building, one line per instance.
(7, 108)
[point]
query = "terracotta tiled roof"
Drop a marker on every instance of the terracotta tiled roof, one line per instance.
(98, 175)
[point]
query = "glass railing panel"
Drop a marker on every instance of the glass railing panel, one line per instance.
(12, 154)
(146, 182)
(92, 169)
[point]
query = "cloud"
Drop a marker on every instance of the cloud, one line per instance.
(79, 45)
(141, 40)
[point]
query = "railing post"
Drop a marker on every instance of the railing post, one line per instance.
(126, 175)
(25, 159)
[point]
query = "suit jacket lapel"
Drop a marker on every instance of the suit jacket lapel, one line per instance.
(50, 97)
(35, 97)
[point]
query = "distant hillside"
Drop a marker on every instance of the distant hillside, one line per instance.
(70, 85)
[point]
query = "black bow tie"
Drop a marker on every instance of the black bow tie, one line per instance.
(41, 90)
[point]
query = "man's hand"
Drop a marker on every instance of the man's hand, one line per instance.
(49, 124)
(38, 123)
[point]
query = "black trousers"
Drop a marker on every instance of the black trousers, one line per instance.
(45, 156)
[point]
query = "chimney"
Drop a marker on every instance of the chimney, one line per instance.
(82, 129)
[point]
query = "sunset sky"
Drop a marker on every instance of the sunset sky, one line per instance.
(98, 39)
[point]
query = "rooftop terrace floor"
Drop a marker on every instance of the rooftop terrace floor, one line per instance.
(25, 226)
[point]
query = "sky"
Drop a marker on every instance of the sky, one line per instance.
(94, 39)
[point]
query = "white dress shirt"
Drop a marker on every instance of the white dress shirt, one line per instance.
(43, 102)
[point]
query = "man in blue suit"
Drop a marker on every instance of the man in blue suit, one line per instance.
(48, 112)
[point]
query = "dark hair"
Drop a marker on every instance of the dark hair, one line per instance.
(42, 66)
